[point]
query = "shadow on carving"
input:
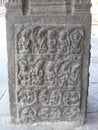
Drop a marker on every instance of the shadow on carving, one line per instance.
(25, 6)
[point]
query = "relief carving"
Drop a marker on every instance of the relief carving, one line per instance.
(27, 115)
(49, 61)
(24, 42)
(63, 42)
(71, 113)
(49, 98)
(52, 41)
(76, 48)
(23, 76)
(49, 113)
(71, 98)
(26, 96)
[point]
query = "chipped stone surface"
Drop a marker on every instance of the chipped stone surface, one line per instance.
(48, 60)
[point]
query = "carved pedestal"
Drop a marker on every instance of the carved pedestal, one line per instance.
(48, 59)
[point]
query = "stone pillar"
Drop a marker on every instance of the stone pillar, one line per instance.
(48, 60)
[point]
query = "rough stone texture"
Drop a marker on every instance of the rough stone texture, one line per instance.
(48, 52)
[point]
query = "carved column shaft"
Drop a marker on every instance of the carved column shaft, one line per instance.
(48, 52)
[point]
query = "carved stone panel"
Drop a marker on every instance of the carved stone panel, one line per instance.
(48, 60)
(48, 72)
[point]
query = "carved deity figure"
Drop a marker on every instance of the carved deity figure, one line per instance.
(75, 74)
(74, 99)
(64, 75)
(42, 40)
(24, 43)
(63, 42)
(29, 96)
(76, 49)
(71, 99)
(48, 113)
(35, 41)
(37, 73)
(50, 75)
(76, 46)
(52, 42)
(54, 98)
(27, 115)
(58, 63)
(48, 98)
(26, 97)
(44, 97)
(23, 76)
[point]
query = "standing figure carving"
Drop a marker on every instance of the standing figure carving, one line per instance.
(52, 42)
(24, 42)
(63, 42)
(42, 40)
(24, 75)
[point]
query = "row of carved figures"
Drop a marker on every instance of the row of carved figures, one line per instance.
(39, 71)
(48, 98)
(49, 41)
(51, 104)
(30, 115)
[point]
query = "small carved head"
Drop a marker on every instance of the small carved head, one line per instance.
(41, 33)
(52, 34)
(62, 35)
(76, 36)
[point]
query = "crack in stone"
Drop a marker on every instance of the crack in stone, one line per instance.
(3, 94)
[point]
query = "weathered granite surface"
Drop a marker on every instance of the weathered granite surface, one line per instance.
(48, 52)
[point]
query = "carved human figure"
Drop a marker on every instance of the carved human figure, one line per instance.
(21, 97)
(75, 74)
(64, 75)
(44, 97)
(77, 50)
(52, 42)
(49, 98)
(74, 99)
(53, 113)
(42, 40)
(55, 98)
(24, 42)
(27, 115)
(58, 63)
(24, 75)
(38, 73)
(75, 112)
(35, 47)
(66, 112)
(44, 113)
(30, 60)
(71, 99)
(25, 97)
(48, 113)
(50, 75)
(63, 46)
(29, 96)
